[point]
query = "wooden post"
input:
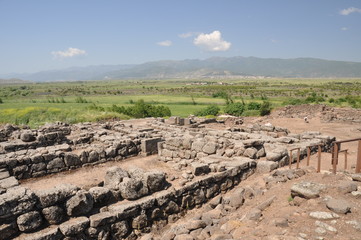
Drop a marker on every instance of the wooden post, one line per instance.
(335, 158)
(319, 159)
(298, 158)
(345, 159)
(308, 155)
(290, 161)
(358, 163)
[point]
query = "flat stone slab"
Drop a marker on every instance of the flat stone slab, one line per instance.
(8, 182)
(307, 190)
(338, 206)
(324, 215)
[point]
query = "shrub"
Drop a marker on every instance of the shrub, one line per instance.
(253, 106)
(140, 109)
(80, 100)
(265, 108)
(235, 109)
(210, 110)
(1, 101)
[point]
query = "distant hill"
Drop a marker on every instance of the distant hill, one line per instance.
(208, 68)
(12, 81)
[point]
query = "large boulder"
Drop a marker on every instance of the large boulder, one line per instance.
(54, 214)
(74, 226)
(15, 201)
(307, 190)
(338, 205)
(155, 180)
(53, 196)
(29, 221)
(114, 176)
(80, 204)
(131, 188)
(27, 136)
(101, 195)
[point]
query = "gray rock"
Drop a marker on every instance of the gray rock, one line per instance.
(53, 196)
(254, 214)
(171, 208)
(266, 166)
(324, 215)
(27, 136)
(114, 176)
(252, 142)
(307, 190)
(198, 145)
(325, 226)
(15, 201)
(72, 159)
(81, 203)
(140, 222)
(131, 188)
(45, 234)
(338, 206)
(280, 222)
(155, 180)
(8, 182)
(195, 224)
(346, 187)
(236, 198)
(102, 219)
(210, 148)
(74, 226)
(356, 177)
(200, 168)
(29, 221)
(4, 174)
(101, 195)
(250, 152)
(56, 163)
(54, 214)
(119, 229)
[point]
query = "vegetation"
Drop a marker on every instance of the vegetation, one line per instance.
(235, 109)
(211, 110)
(37, 103)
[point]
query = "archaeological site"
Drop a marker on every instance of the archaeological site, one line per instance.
(276, 177)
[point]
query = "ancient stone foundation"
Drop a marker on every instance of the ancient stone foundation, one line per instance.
(130, 202)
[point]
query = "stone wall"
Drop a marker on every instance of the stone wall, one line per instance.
(67, 212)
(59, 147)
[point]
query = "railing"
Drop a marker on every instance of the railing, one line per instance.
(319, 146)
(336, 149)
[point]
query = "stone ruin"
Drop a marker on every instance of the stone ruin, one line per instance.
(203, 163)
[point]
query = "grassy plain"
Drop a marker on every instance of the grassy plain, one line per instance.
(37, 103)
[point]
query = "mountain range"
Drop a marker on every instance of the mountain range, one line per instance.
(215, 67)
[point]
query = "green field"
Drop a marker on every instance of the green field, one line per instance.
(37, 103)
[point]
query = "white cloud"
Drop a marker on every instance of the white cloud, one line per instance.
(344, 28)
(350, 10)
(212, 42)
(166, 43)
(70, 52)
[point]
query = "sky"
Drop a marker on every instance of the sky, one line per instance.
(37, 35)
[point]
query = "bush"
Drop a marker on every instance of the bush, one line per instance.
(265, 108)
(141, 110)
(293, 101)
(1, 101)
(210, 110)
(235, 109)
(80, 100)
(253, 106)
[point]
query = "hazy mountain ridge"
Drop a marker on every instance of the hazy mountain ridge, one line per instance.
(211, 67)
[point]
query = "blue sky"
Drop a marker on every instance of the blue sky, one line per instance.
(53, 34)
